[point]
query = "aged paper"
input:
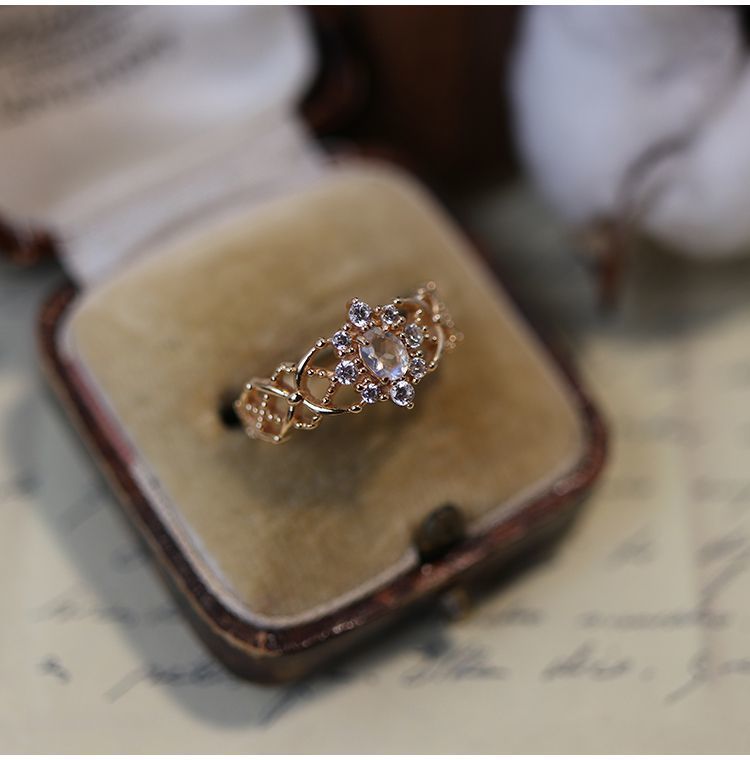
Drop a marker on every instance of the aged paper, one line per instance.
(634, 635)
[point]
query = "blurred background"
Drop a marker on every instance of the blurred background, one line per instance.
(628, 122)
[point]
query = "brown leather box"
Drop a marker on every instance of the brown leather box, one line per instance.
(284, 556)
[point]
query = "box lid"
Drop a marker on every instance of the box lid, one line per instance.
(120, 124)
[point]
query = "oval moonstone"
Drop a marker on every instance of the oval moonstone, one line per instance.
(384, 355)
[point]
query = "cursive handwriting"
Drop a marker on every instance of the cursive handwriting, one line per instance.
(456, 662)
(585, 662)
(200, 673)
(51, 665)
(68, 607)
(653, 621)
(705, 668)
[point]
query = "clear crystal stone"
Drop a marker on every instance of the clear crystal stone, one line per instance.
(390, 315)
(384, 355)
(341, 340)
(370, 393)
(402, 393)
(413, 335)
(359, 313)
(417, 368)
(346, 372)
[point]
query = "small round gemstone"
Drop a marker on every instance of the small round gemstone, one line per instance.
(370, 393)
(360, 313)
(402, 393)
(417, 368)
(341, 340)
(390, 315)
(413, 335)
(346, 372)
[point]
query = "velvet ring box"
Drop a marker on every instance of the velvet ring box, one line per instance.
(283, 555)
(210, 241)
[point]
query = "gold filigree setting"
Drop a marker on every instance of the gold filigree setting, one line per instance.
(379, 354)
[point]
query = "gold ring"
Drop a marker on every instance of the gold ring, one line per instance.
(379, 354)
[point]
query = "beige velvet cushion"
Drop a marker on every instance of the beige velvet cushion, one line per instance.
(283, 532)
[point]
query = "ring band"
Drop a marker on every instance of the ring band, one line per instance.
(379, 354)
